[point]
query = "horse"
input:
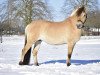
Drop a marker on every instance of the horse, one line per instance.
(67, 32)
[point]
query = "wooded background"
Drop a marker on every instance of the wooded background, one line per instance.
(15, 15)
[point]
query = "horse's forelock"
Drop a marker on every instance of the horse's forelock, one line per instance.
(80, 10)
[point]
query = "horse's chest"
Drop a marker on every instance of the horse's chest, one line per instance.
(75, 36)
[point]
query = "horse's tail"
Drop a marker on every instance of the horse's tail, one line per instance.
(27, 55)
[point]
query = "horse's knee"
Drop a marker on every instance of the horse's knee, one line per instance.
(34, 52)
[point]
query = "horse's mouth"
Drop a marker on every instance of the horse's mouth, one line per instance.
(80, 26)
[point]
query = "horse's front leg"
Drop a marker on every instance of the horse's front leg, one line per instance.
(70, 50)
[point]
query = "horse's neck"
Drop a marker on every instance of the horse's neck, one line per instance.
(72, 20)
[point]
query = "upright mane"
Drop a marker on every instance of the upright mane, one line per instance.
(78, 11)
(74, 12)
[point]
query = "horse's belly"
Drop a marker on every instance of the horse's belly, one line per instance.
(53, 40)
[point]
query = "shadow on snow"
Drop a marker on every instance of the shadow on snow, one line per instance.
(76, 62)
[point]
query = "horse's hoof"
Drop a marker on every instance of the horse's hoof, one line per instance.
(68, 64)
(20, 63)
(36, 64)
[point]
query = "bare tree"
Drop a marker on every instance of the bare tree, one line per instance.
(69, 5)
(31, 10)
(16, 14)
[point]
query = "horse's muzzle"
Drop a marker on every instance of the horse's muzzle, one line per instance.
(80, 26)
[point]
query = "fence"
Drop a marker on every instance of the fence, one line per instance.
(91, 31)
(87, 32)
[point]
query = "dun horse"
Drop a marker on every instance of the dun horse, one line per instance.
(55, 33)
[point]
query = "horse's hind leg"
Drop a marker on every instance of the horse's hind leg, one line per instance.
(24, 51)
(70, 50)
(35, 51)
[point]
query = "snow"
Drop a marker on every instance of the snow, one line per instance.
(52, 58)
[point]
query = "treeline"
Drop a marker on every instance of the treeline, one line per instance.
(16, 14)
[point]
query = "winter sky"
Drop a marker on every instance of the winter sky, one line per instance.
(56, 6)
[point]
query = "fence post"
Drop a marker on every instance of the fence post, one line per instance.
(1, 35)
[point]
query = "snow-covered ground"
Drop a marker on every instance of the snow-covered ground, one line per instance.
(52, 58)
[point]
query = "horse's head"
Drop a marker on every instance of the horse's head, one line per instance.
(81, 16)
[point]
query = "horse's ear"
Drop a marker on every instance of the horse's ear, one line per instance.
(80, 10)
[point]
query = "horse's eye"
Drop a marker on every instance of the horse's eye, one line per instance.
(84, 15)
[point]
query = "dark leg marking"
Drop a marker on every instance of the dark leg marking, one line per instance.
(37, 42)
(69, 56)
(26, 58)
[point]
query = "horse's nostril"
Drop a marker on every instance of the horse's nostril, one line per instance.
(83, 26)
(80, 26)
